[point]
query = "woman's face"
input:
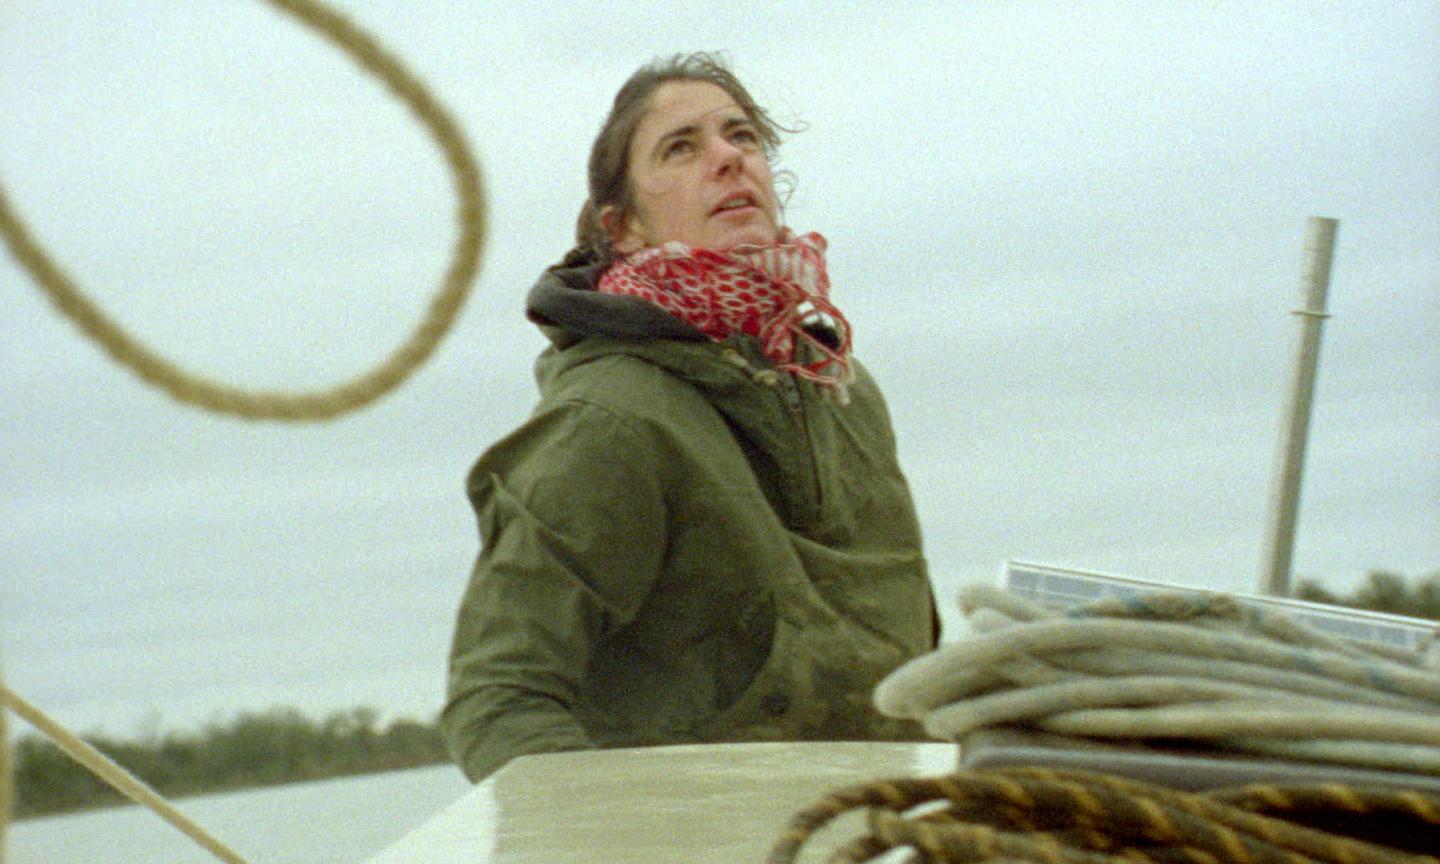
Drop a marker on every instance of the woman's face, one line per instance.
(698, 174)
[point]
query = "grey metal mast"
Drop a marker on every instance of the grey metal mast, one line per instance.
(1295, 423)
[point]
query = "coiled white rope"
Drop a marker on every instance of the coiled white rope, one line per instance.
(1172, 666)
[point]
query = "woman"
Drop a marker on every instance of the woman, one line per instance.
(701, 533)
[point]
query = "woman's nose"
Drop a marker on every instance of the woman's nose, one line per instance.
(725, 156)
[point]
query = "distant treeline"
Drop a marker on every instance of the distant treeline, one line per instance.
(1383, 591)
(275, 746)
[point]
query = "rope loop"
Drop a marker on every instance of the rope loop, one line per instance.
(347, 396)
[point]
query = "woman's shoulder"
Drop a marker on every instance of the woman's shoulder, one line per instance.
(599, 411)
(616, 377)
(630, 378)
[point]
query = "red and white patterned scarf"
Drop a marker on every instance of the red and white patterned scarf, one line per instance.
(769, 291)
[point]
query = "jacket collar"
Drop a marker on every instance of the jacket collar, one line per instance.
(565, 305)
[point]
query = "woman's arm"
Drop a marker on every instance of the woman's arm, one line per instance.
(572, 525)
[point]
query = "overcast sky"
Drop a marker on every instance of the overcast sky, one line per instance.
(1068, 237)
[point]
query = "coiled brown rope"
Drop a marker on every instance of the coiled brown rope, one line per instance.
(1034, 815)
(347, 396)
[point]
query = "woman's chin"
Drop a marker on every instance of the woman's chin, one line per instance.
(749, 235)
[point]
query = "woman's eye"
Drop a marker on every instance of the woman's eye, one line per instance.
(745, 136)
(677, 147)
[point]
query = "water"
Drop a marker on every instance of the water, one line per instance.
(342, 821)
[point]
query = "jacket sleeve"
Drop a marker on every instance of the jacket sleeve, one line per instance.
(572, 526)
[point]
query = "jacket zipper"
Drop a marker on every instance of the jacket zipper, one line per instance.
(790, 390)
(789, 393)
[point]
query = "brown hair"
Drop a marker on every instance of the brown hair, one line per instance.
(608, 170)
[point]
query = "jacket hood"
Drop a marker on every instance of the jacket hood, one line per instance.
(584, 326)
(569, 311)
(565, 305)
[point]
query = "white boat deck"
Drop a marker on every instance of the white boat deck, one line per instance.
(698, 804)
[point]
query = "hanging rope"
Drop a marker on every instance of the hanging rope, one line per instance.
(1197, 667)
(258, 405)
(1034, 815)
(347, 396)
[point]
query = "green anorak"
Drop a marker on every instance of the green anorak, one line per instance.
(681, 545)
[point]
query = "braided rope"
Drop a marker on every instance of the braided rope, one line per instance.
(346, 396)
(1035, 815)
(1174, 666)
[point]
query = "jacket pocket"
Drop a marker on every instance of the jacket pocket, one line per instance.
(767, 708)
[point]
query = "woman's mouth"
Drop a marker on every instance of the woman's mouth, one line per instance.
(736, 204)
